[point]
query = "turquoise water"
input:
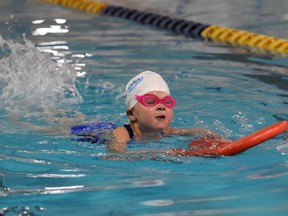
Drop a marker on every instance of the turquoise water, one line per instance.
(71, 67)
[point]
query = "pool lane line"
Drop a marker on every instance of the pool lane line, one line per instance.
(187, 28)
(84, 5)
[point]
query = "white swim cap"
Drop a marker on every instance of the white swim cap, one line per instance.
(141, 84)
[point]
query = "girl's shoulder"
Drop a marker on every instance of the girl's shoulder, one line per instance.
(121, 134)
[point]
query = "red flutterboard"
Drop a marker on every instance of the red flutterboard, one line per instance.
(228, 147)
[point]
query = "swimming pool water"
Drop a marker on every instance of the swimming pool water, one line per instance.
(72, 67)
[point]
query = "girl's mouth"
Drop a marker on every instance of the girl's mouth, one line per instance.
(160, 117)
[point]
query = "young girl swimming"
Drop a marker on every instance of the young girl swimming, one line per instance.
(149, 107)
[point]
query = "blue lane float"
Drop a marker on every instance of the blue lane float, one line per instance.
(92, 132)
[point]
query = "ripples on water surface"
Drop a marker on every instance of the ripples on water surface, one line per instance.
(72, 67)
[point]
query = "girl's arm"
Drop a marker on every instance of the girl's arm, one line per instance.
(194, 132)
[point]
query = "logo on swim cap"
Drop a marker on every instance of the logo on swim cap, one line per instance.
(134, 84)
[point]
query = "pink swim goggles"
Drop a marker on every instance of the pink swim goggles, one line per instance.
(150, 100)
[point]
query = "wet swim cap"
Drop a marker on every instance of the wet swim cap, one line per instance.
(143, 83)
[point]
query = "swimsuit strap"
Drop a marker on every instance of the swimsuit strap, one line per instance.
(129, 130)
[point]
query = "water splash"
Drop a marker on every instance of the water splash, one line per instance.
(31, 84)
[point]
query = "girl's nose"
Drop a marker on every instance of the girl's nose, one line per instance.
(160, 107)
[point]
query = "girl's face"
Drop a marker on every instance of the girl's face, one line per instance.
(154, 118)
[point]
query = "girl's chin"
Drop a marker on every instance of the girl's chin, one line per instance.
(161, 127)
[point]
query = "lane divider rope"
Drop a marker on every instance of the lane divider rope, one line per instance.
(180, 26)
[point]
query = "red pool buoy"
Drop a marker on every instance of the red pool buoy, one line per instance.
(205, 146)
